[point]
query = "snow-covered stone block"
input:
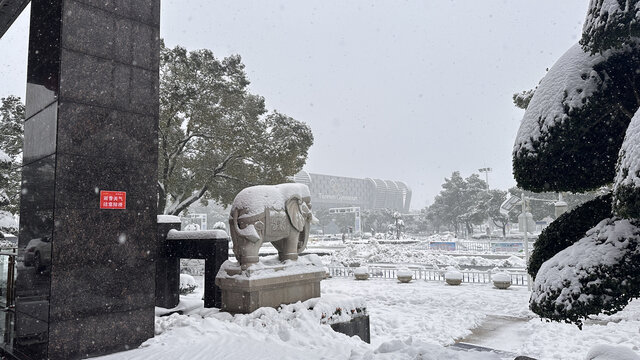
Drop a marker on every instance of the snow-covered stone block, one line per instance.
(404, 275)
(269, 283)
(453, 277)
(361, 273)
(501, 280)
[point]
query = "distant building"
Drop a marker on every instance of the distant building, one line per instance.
(329, 191)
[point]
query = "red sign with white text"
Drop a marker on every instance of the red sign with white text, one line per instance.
(113, 199)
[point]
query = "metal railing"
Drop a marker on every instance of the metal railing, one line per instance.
(7, 277)
(379, 272)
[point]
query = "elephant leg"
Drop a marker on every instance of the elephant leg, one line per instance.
(247, 253)
(289, 249)
(279, 245)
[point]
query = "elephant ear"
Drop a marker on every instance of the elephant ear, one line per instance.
(295, 212)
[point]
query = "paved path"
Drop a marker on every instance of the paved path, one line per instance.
(501, 333)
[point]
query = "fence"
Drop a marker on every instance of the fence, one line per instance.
(480, 246)
(379, 272)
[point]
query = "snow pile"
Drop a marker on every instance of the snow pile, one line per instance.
(567, 86)
(220, 226)
(609, 352)
(187, 284)
(600, 271)
(414, 254)
(442, 237)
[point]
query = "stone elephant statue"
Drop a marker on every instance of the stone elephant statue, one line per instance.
(280, 214)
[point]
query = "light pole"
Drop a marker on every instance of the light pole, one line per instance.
(526, 241)
(486, 172)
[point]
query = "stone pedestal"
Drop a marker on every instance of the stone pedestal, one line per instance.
(359, 326)
(270, 285)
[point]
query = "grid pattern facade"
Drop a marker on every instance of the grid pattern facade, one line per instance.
(329, 191)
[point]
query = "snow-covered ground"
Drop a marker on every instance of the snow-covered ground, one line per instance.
(408, 321)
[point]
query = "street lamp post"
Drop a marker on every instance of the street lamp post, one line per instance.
(486, 172)
(526, 241)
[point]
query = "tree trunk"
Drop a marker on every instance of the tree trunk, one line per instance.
(182, 206)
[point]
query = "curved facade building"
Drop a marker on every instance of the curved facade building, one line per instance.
(329, 191)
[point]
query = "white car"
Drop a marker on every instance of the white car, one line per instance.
(38, 253)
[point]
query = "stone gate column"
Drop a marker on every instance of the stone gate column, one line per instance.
(85, 282)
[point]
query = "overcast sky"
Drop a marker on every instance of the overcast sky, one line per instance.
(399, 90)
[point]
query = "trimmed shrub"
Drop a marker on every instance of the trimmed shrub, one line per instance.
(626, 189)
(574, 126)
(567, 229)
(599, 273)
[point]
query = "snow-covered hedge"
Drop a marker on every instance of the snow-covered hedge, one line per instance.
(574, 125)
(567, 229)
(599, 273)
(187, 284)
(627, 183)
(610, 23)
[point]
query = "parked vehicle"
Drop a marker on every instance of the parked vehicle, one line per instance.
(38, 253)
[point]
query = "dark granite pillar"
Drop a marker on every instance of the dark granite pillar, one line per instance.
(167, 269)
(85, 282)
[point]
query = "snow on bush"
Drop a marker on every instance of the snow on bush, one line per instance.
(609, 24)
(4, 157)
(567, 229)
(573, 128)
(627, 183)
(599, 273)
(7, 222)
(610, 352)
(187, 284)
(220, 226)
